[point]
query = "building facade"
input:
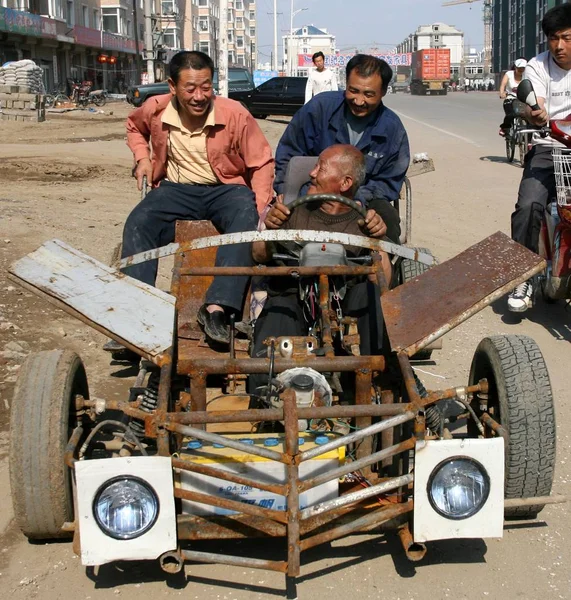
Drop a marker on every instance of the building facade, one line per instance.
(79, 39)
(517, 30)
(303, 43)
(438, 35)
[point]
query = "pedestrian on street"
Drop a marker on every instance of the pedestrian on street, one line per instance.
(206, 158)
(319, 79)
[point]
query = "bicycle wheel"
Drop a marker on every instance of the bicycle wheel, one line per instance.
(99, 100)
(49, 100)
(510, 143)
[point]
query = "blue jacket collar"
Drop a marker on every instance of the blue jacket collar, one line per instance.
(338, 123)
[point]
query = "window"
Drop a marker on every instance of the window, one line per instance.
(276, 84)
(96, 20)
(204, 46)
(170, 39)
(230, 15)
(202, 2)
(230, 57)
(241, 59)
(239, 23)
(203, 24)
(168, 7)
(114, 20)
(239, 41)
(129, 28)
(85, 16)
(252, 15)
(69, 17)
(239, 5)
(54, 9)
(230, 37)
(252, 32)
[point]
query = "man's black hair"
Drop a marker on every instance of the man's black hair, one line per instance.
(366, 66)
(556, 19)
(189, 60)
(317, 55)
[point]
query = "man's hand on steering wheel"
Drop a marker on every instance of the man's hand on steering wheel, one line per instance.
(373, 225)
(278, 215)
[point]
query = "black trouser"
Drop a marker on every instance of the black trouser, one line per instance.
(282, 315)
(389, 214)
(509, 112)
(151, 224)
(536, 190)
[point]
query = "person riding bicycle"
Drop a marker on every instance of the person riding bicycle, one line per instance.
(508, 90)
(550, 74)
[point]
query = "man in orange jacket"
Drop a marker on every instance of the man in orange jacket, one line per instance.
(208, 159)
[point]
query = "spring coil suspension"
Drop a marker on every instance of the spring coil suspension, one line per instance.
(149, 400)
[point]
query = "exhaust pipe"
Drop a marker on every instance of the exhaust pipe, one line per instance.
(414, 551)
(171, 562)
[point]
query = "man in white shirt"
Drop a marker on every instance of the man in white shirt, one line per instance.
(320, 79)
(550, 74)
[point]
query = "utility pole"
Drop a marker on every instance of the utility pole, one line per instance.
(223, 50)
(137, 50)
(149, 51)
(275, 62)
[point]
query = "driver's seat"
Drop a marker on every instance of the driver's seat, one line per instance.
(297, 175)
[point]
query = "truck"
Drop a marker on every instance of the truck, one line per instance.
(401, 80)
(430, 71)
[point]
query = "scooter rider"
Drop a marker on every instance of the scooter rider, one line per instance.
(550, 74)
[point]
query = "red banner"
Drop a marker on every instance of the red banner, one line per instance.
(341, 60)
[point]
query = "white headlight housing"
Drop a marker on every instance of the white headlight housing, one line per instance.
(125, 507)
(458, 487)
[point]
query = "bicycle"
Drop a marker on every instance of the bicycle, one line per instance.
(55, 99)
(516, 137)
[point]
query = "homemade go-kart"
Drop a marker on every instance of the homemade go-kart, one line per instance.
(364, 444)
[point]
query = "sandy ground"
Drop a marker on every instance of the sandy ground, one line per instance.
(69, 178)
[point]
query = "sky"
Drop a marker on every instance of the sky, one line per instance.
(364, 24)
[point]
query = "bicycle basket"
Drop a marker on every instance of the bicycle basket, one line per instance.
(562, 168)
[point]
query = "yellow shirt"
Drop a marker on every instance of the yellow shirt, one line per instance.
(187, 160)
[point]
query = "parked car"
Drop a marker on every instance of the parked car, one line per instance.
(239, 80)
(277, 96)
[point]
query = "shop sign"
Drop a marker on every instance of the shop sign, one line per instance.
(112, 41)
(86, 36)
(18, 21)
(341, 60)
(49, 27)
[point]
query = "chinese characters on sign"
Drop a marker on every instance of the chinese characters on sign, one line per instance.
(341, 60)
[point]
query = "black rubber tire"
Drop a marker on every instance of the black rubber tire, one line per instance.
(41, 422)
(409, 270)
(520, 398)
(99, 100)
(49, 100)
(510, 145)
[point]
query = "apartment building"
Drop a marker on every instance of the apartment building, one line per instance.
(300, 45)
(80, 39)
(517, 30)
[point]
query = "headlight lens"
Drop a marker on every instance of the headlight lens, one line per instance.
(458, 488)
(125, 507)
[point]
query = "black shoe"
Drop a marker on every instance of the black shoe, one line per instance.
(120, 353)
(214, 325)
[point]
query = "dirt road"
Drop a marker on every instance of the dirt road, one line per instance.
(69, 178)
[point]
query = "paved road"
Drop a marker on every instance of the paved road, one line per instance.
(470, 196)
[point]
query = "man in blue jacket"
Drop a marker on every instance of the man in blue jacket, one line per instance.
(358, 117)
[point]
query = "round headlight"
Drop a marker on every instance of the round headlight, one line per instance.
(458, 488)
(125, 507)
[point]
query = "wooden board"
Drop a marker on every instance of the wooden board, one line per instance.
(127, 310)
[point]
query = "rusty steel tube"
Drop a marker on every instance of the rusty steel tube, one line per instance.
(519, 502)
(348, 271)
(228, 366)
(214, 438)
(163, 445)
(292, 449)
(71, 447)
(235, 561)
(414, 551)
(186, 465)
(376, 517)
(352, 466)
(353, 497)
(239, 507)
(356, 436)
(495, 426)
(363, 384)
(380, 274)
(216, 527)
(409, 381)
(326, 333)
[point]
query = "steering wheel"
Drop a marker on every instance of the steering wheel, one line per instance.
(328, 198)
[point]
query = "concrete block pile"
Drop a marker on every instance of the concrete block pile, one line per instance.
(17, 104)
(25, 74)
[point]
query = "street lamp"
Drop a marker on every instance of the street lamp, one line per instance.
(289, 56)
